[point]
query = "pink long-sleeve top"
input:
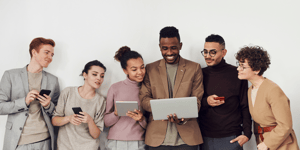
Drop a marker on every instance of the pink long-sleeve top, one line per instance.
(123, 128)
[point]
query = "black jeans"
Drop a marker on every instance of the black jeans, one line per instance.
(220, 143)
(180, 147)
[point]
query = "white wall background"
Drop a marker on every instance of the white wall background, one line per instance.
(94, 29)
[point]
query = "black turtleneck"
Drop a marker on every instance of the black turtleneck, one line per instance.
(224, 120)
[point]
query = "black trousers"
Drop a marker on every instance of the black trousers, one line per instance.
(180, 147)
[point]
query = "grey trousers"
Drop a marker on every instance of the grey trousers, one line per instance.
(220, 144)
(125, 145)
(42, 145)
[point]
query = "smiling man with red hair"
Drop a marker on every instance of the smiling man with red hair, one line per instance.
(28, 123)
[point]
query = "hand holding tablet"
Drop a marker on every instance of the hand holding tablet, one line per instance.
(137, 115)
(122, 107)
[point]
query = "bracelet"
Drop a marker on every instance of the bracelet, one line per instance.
(182, 122)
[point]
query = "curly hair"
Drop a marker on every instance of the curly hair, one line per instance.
(258, 58)
(124, 54)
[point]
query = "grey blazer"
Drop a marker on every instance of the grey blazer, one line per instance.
(13, 91)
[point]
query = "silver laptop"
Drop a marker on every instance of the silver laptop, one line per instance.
(185, 107)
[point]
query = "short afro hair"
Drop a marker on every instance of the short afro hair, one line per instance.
(215, 38)
(257, 57)
(169, 32)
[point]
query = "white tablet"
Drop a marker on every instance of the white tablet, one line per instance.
(124, 106)
(185, 107)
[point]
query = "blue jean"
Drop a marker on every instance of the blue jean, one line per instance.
(220, 144)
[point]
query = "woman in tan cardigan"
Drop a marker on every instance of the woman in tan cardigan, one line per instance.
(268, 105)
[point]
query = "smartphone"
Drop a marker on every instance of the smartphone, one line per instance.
(43, 91)
(76, 110)
(219, 98)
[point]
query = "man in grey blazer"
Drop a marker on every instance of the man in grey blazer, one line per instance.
(28, 123)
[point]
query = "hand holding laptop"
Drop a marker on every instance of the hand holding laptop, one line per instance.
(173, 118)
(173, 108)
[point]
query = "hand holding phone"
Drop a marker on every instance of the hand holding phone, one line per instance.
(85, 117)
(76, 110)
(219, 98)
(43, 91)
(215, 100)
(74, 119)
(31, 96)
(44, 100)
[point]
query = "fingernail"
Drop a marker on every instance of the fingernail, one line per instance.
(230, 141)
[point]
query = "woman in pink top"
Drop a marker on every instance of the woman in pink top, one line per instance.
(126, 132)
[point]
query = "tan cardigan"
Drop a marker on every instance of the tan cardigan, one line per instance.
(188, 83)
(272, 107)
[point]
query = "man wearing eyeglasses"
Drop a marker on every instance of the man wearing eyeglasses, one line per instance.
(224, 112)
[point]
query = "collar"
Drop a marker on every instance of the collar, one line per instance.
(218, 66)
(180, 63)
(129, 82)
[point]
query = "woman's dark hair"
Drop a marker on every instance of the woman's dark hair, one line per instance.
(89, 65)
(124, 54)
(257, 57)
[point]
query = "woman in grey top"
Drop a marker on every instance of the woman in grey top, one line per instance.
(81, 131)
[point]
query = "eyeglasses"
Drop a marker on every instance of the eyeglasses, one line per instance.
(212, 53)
(241, 65)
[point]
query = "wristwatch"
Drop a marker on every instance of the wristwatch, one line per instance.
(182, 122)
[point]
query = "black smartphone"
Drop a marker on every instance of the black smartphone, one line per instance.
(76, 110)
(43, 91)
